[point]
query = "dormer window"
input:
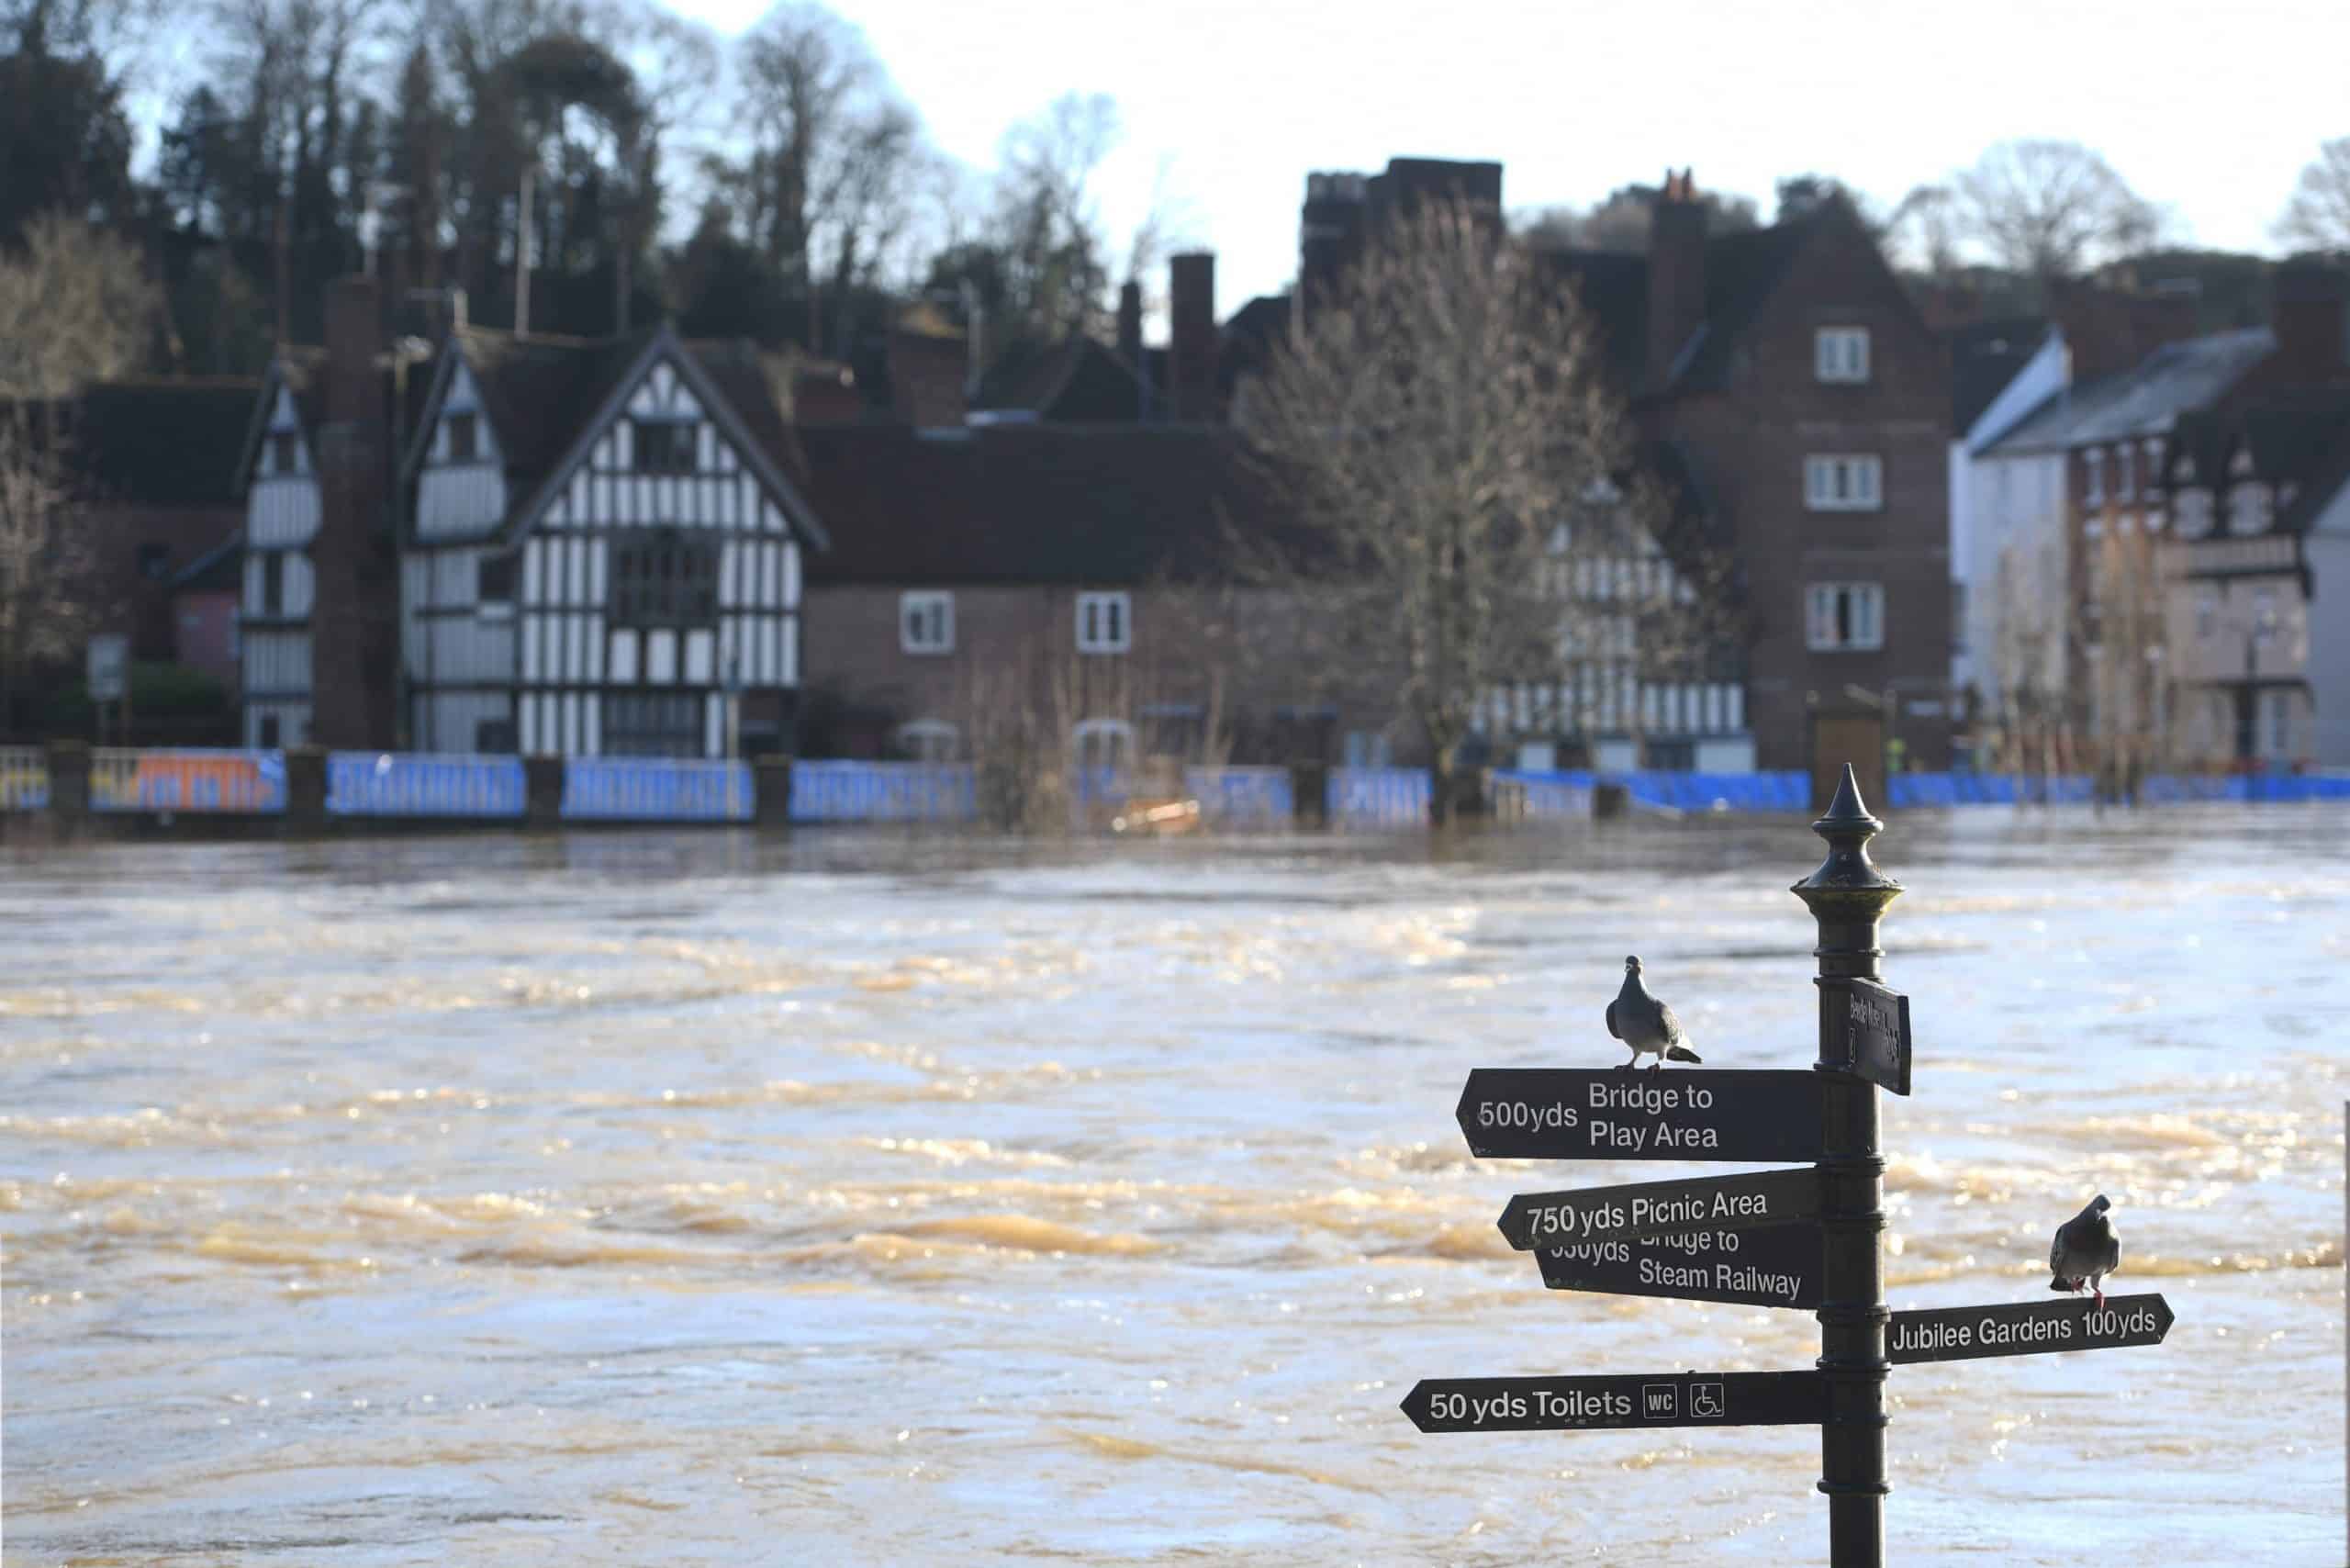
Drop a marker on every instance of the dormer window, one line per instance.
(664, 446)
(2251, 506)
(2192, 508)
(464, 438)
(1840, 354)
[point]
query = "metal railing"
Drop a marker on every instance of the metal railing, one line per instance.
(883, 792)
(187, 779)
(24, 778)
(619, 788)
(424, 784)
(1259, 797)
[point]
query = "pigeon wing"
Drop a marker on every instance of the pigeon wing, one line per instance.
(1668, 1024)
(1611, 1022)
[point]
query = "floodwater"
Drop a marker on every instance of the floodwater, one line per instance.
(683, 1199)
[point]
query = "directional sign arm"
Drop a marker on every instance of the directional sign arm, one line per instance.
(1779, 1267)
(1660, 1399)
(1661, 1208)
(2026, 1329)
(1509, 1112)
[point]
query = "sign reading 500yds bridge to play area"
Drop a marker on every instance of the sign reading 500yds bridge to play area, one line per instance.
(1541, 1113)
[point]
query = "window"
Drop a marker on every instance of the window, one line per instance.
(1103, 624)
(664, 446)
(1368, 748)
(464, 438)
(280, 452)
(928, 740)
(663, 579)
(272, 583)
(2093, 477)
(1845, 616)
(2250, 508)
(2193, 510)
(926, 623)
(1104, 742)
(1843, 483)
(652, 724)
(269, 730)
(1840, 354)
(2125, 483)
(494, 735)
(493, 591)
(154, 561)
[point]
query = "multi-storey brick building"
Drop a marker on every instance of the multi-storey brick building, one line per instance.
(1784, 382)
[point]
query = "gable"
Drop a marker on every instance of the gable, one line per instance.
(666, 448)
(461, 401)
(278, 413)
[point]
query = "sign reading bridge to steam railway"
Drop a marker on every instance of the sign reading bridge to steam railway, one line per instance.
(1545, 1113)
(1806, 1238)
(1751, 1267)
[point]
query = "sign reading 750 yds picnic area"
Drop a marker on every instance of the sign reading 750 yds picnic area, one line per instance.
(1545, 1113)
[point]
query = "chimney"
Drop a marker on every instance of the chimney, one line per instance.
(354, 567)
(1676, 273)
(1130, 322)
(2310, 320)
(2167, 313)
(1192, 335)
(1329, 236)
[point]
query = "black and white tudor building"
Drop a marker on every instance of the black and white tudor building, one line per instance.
(599, 544)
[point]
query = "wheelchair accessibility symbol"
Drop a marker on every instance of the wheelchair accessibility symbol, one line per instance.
(1705, 1400)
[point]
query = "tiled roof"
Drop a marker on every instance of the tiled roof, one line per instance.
(1034, 503)
(540, 392)
(2144, 401)
(1076, 380)
(161, 442)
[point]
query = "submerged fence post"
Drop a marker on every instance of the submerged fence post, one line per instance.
(69, 783)
(1847, 895)
(771, 790)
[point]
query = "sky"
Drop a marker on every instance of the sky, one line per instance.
(2213, 110)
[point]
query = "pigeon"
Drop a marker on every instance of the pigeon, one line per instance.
(1646, 1025)
(2085, 1251)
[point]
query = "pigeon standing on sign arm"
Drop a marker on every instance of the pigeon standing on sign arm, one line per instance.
(1646, 1025)
(2085, 1251)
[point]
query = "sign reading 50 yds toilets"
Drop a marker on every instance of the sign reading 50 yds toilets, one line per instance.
(1544, 1112)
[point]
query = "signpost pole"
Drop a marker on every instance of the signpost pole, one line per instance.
(1847, 895)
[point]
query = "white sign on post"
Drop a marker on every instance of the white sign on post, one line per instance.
(110, 667)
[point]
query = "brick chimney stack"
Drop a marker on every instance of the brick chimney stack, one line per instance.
(1192, 335)
(1676, 272)
(1130, 322)
(2311, 324)
(352, 615)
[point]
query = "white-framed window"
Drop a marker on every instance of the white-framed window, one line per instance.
(1104, 623)
(926, 623)
(1844, 616)
(1104, 742)
(2193, 510)
(2093, 480)
(1840, 354)
(2125, 482)
(2250, 508)
(1843, 482)
(929, 740)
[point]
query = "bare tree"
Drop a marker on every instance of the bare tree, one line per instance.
(2317, 216)
(76, 306)
(46, 562)
(1047, 227)
(1433, 432)
(2050, 208)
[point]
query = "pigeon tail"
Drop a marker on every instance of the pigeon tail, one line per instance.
(2062, 1283)
(1682, 1053)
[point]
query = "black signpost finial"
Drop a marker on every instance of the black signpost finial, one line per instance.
(1847, 895)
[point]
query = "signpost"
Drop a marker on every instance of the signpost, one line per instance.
(1539, 1112)
(1657, 1208)
(1574, 1403)
(1806, 1239)
(1754, 1268)
(2026, 1329)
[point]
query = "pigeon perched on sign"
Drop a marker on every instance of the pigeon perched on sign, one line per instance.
(1646, 1025)
(2085, 1251)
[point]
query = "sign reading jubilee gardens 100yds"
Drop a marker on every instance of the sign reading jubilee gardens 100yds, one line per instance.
(1806, 1238)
